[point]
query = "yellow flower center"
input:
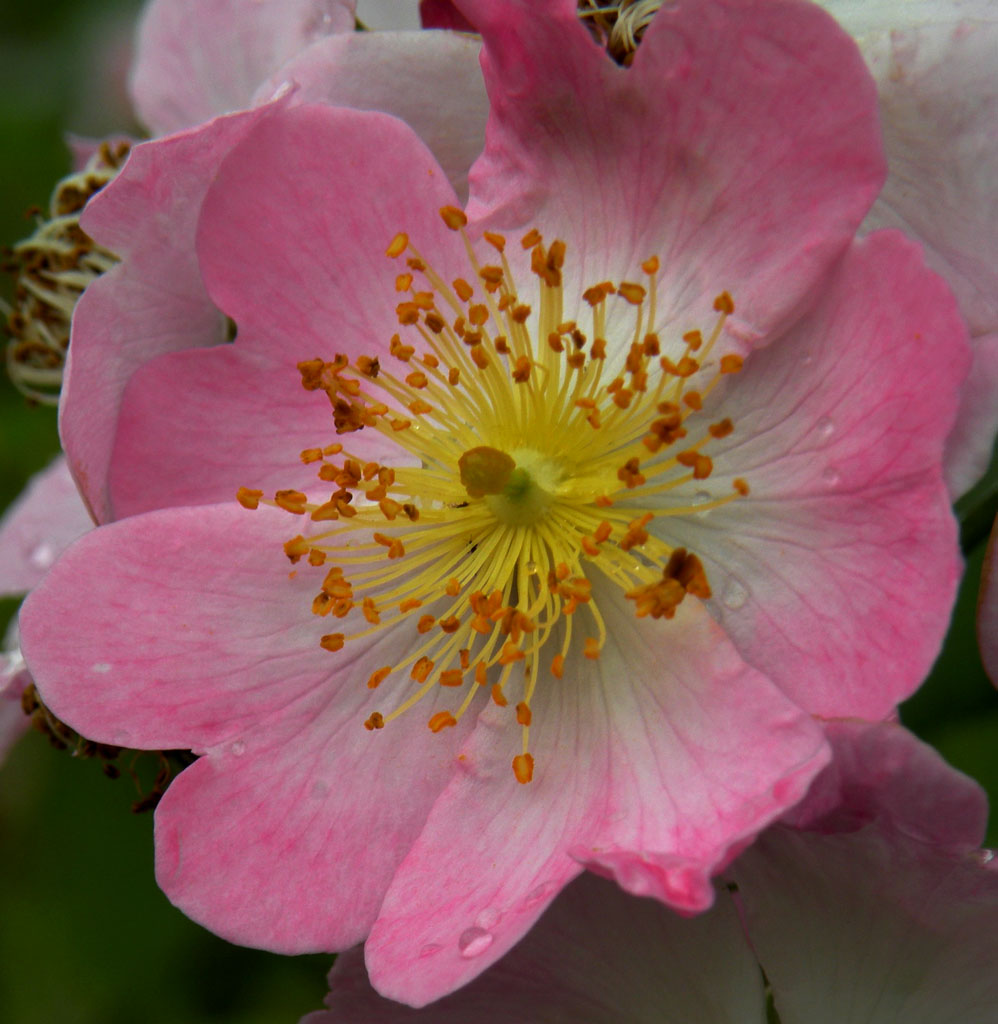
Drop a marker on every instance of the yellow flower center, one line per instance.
(533, 455)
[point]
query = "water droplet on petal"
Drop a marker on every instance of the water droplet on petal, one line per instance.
(825, 428)
(831, 476)
(488, 918)
(532, 568)
(984, 856)
(238, 747)
(474, 942)
(734, 595)
(42, 556)
(701, 498)
(430, 948)
(100, 667)
(539, 893)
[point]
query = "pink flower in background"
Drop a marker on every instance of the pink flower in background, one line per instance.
(644, 443)
(34, 531)
(880, 910)
(934, 63)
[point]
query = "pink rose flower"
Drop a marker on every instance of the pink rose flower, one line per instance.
(650, 447)
(879, 911)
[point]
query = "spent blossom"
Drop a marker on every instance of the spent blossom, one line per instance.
(599, 489)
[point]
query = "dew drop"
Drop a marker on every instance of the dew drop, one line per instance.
(831, 476)
(825, 428)
(734, 595)
(488, 918)
(532, 569)
(430, 948)
(238, 747)
(42, 556)
(474, 941)
(984, 857)
(538, 893)
(701, 498)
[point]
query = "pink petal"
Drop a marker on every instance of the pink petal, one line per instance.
(741, 164)
(200, 58)
(597, 955)
(650, 770)
(987, 611)
(184, 628)
(443, 14)
(971, 442)
(388, 15)
(939, 105)
(884, 891)
(881, 773)
(836, 575)
(196, 425)
(14, 678)
(435, 86)
(871, 928)
(47, 517)
(153, 302)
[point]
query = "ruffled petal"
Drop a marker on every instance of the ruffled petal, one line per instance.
(184, 629)
(435, 85)
(153, 302)
(597, 955)
(836, 575)
(196, 59)
(741, 147)
(652, 765)
(47, 517)
(197, 425)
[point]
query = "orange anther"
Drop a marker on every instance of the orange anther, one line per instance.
(332, 642)
(425, 624)
(410, 604)
(531, 238)
(296, 548)
(316, 557)
(523, 768)
(632, 293)
(291, 501)
(397, 246)
(441, 720)
(495, 240)
(651, 265)
(724, 304)
(370, 610)
(376, 721)
(453, 587)
(721, 429)
(452, 677)
(454, 218)
(378, 677)
(510, 653)
(591, 649)
(248, 498)
(558, 666)
(498, 696)
(421, 670)
(481, 674)
(311, 455)
(731, 363)
(740, 486)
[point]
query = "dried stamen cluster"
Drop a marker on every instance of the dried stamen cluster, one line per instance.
(51, 269)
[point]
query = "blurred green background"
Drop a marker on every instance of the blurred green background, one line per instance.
(85, 935)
